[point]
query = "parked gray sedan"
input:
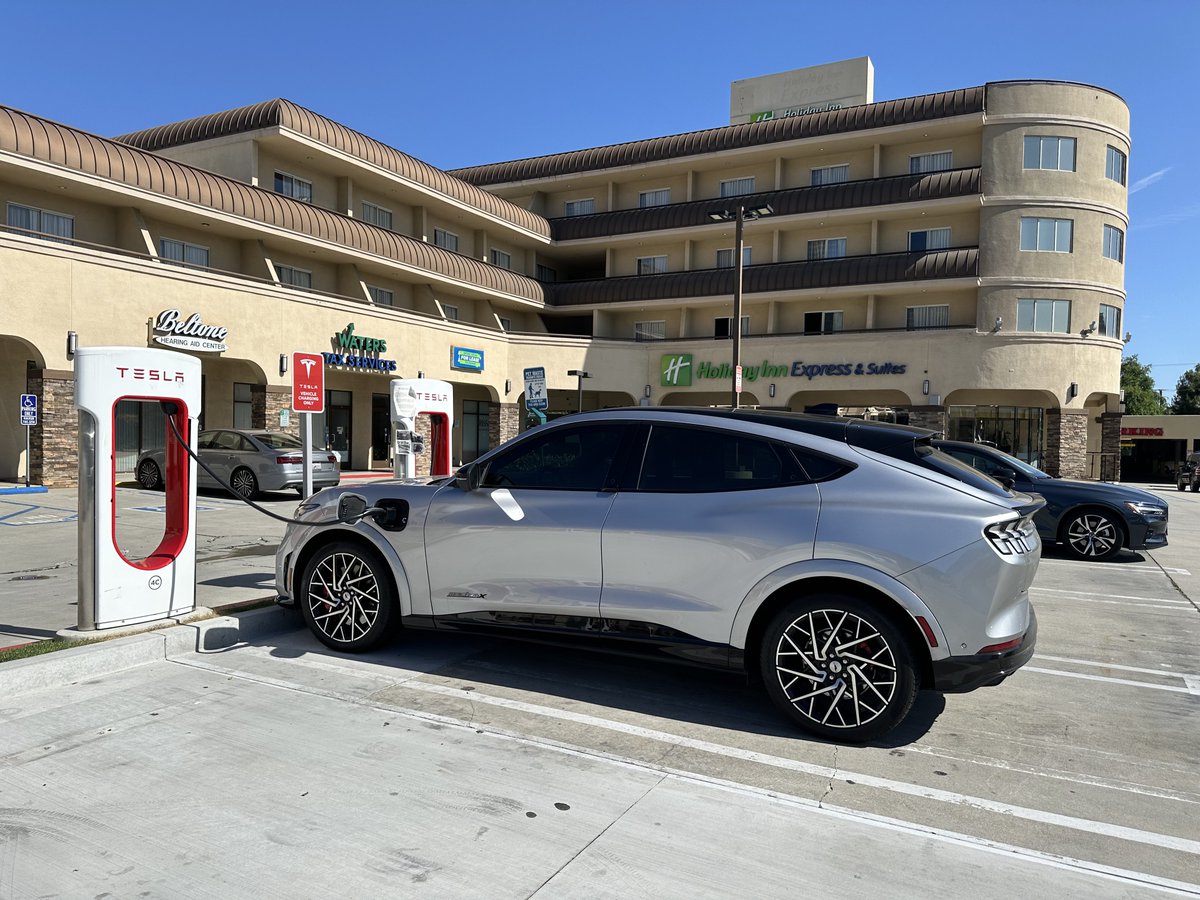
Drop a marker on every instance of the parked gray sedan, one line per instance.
(843, 564)
(249, 461)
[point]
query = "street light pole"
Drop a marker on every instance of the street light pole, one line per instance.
(579, 376)
(737, 306)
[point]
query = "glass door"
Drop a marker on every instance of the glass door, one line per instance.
(381, 429)
(338, 424)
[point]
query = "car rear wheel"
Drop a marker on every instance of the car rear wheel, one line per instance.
(838, 667)
(244, 483)
(347, 597)
(1092, 534)
(148, 475)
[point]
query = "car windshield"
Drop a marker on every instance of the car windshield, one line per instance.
(279, 441)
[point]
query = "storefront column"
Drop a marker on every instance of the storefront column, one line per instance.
(54, 441)
(1110, 446)
(423, 426)
(274, 401)
(1066, 443)
(258, 407)
(932, 417)
(504, 422)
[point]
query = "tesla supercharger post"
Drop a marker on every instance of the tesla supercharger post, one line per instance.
(412, 397)
(113, 589)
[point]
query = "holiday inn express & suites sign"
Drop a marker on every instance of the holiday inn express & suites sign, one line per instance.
(681, 370)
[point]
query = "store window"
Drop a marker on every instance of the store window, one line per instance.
(1046, 152)
(243, 406)
(659, 197)
(830, 175)
(1016, 430)
(291, 186)
(51, 226)
(475, 429)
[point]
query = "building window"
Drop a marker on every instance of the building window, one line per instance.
(450, 311)
(579, 207)
(505, 323)
(291, 186)
(243, 406)
(722, 326)
(447, 240)
(475, 437)
(1109, 323)
(930, 162)
(650, 331)
(1114, 243)
(725, 257)
(660, 197)
(735, 186)
(301, 278)
(651, 265)
(830, 175)
(1114, 165)
(184, 254)
(827, 248)
(1052, 316)
(381, 296)
(826, 322)
(502, 259)
(929, 239)
(545, 273)
(377, 215)
(51, 226)
(1042, 152)
(918, 318)
(1050, 235)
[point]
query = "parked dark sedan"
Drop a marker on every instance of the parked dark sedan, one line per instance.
(1092, 520)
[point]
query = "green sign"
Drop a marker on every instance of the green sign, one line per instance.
(347, 340)
(676, 370)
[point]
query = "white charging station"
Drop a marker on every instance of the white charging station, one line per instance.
(113, 589)
(412, 397)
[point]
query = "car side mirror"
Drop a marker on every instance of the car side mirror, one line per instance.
(1006, 477)
(468, 478)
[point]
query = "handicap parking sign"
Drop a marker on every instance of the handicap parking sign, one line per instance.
(29, 409)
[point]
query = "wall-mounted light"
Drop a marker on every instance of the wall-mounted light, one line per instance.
(420, 374)
(282, 363)
(1073, 390)
(1090, 330)
(925, 387)
(507, 385)
(770, 390)
(72, 343)
(999, 324)
(1128, 336)
(646, 392)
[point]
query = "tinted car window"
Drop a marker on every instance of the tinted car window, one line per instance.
(226, 440)
(943, 462)
(277, 441)
(205, 441)
(698, 460)
(571, 459)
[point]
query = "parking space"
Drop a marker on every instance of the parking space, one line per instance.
(477, 767)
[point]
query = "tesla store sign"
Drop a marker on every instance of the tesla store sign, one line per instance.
(680, 369)
(172, 330)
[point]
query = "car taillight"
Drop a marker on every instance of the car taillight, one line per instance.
(290, 460)
(1013, 536)
(1000, 648)
(332, 458)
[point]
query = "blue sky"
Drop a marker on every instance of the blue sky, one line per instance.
(468, 82)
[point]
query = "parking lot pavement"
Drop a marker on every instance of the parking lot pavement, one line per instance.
(277, 767)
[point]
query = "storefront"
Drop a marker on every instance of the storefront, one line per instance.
(1153, 447)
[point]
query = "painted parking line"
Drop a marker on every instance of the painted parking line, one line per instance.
(1128, 682)
(1115, 567)
(33, 514)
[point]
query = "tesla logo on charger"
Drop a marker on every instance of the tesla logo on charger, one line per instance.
(150, 374)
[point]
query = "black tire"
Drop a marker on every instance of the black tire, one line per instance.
(1092, 534)
(148, 475)
(347, 597)
(244, 483)
(852, 647)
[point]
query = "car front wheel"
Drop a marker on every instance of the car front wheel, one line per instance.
(1092, 534)
(838, 667)
(347, 597)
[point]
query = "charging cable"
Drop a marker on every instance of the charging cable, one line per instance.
(170, 409)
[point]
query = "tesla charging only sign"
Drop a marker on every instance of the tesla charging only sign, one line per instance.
(308, 382)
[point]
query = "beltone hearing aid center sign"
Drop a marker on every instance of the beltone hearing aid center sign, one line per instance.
(172, 330)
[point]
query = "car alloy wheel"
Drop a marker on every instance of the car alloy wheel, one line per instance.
(148, 475)
(1093, 535)
(838, 667)
(244, 484)
(346, 597)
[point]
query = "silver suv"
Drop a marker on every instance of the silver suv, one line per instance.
(843, 564)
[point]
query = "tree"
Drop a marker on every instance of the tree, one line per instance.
(1187, 394)
(1141, 399)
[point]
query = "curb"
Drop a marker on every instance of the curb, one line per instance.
(65, 667)
(32, 489)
